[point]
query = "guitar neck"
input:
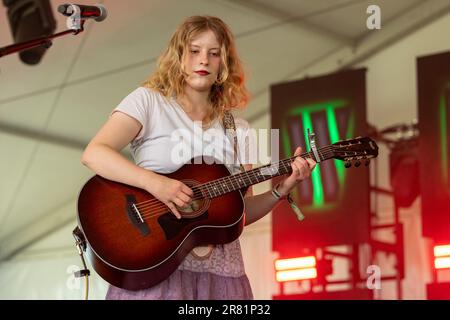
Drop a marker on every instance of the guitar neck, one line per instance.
(219, 187)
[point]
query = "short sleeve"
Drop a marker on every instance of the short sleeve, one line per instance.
(138, 105)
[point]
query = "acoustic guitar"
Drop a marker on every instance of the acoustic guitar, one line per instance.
(134, 242)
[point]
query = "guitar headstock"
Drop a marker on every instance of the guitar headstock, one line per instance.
(355, 150)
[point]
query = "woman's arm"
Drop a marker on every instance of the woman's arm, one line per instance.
(102, 155)
(256, 207)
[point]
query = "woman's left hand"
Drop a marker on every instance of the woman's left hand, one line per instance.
(301, 169)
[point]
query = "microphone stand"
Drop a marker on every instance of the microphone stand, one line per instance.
(75, 24)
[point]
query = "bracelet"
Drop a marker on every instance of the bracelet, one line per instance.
(295, 208)
(276, 193)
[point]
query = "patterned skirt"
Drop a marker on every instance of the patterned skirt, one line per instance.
(218, 273)
(190, 285)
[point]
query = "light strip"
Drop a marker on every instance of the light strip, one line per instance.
(442, 263)
(303, 262)
(296, 274)
(440, 251)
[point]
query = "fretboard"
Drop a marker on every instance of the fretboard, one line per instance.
(219, 187)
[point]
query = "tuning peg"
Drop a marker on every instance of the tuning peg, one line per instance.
(366, 163)
(347, 164)
(357, 163)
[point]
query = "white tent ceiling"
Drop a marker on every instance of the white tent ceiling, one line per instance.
(48, 112)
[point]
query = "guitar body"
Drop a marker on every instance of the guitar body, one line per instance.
(136, 252)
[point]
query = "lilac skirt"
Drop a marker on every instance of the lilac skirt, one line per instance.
(189, 285)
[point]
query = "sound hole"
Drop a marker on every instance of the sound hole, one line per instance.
(197, 206)
(194, 206)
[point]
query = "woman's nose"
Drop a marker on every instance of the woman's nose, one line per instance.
(204, 59)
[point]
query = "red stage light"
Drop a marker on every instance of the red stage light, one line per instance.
(296, 274)
(442, 256)
(301, 268)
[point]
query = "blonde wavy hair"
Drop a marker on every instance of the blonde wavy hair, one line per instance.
(227, 93)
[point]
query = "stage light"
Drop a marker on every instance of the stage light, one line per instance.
(296, 274)
(295, 269)
(442, 250)
(442, 257)
(440, 290)
(442, 263)
(303, 262)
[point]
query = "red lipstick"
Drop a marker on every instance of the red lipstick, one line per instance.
(202, 72)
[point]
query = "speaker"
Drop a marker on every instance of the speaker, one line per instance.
(28, 20)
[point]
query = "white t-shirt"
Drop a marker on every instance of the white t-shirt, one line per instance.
(168, 139)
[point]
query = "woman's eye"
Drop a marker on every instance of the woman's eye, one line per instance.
(194, 51)
(215, 54)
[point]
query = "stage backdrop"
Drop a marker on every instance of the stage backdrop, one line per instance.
(335, 200)
(433, 80)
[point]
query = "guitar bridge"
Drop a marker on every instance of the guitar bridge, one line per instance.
(135, 216)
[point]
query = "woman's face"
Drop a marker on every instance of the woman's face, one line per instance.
(202, 62)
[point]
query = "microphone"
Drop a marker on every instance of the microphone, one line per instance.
(96, 12)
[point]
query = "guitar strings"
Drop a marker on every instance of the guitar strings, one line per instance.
(159, 205)
(153, 209)
(201, 188)
(249, 175)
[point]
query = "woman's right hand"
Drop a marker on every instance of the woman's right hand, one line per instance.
(171, 192)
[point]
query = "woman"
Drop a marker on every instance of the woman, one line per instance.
(198, 78)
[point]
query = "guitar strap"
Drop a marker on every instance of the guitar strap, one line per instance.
(229, 127)
(230, 130)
